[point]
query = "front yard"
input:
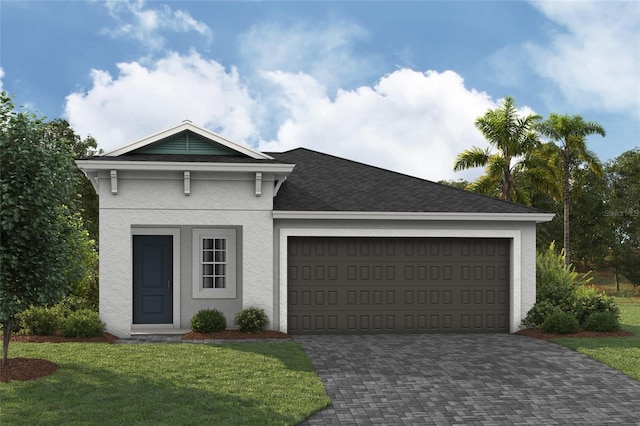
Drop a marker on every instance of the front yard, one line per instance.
(621, 353)
(230, 384)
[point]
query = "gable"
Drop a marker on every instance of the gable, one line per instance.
(185, 143)
(187, 139)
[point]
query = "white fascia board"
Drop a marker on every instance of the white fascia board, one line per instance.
(187, 125)
(93, 165)
(432, 216)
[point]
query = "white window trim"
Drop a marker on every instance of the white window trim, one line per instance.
(214, 293)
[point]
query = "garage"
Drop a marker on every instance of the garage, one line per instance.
(364, 285)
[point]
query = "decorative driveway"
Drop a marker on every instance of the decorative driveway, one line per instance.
(466, 379)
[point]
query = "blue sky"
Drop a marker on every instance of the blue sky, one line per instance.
(393, 84)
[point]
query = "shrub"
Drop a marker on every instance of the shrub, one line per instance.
(602, 321)
(556, 283)
(560, 323)
(251, 320)
(208, 321)
(71, 304)
(39, 320)
(540, 311)
(590, 301)
(83, 323)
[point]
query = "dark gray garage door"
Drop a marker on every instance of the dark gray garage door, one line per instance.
(397, 285)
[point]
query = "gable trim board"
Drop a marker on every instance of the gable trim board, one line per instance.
(267, 199)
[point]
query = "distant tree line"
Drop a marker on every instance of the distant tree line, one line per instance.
(546, 164)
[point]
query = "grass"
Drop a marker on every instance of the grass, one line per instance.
(621, 353)
(230, 384)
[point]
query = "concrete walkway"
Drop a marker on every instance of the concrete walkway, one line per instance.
(464, 379)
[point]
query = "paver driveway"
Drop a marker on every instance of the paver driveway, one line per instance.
(464, 379)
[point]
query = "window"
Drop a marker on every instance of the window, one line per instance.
(214, 263)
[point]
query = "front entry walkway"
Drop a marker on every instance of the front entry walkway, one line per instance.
(464, 379)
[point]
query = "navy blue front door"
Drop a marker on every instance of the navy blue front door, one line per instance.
(152, 279)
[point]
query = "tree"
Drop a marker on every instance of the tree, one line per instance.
(623, 210)
(39, 230)
(513, 137)
(87, 203)
(591, 236)
(568, 135)
(460, 184)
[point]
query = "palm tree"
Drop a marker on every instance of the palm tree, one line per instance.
(513, 137)
(569, 147)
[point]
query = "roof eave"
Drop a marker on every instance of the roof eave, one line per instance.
(95, 165)
(431, 216)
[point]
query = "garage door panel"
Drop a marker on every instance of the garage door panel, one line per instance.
(395, 285)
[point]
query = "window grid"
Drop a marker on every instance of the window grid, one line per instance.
(214, 263)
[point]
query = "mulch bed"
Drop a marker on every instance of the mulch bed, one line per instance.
(106, 338)
(235, 334)
(539, 334)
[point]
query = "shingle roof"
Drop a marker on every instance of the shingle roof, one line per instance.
(322, 182)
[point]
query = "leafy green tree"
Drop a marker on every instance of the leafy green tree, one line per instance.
(460, 184)
(569, 145)
(513, 139)
(39, 230)
(591, 236)
(623, 210)
(87, 201)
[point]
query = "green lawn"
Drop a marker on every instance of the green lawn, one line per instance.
(621, 353)
(231, 384)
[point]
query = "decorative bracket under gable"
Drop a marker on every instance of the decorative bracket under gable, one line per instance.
(114, 182)
(187, 183)
(280, 180)
(258, 184)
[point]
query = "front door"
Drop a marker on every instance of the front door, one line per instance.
(152, 279)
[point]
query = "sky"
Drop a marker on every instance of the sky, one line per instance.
(397, 84)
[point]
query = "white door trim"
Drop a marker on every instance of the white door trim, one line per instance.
(175, 233)
(515, 257)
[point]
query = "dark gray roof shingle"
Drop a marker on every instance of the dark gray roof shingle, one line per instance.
(322, 182)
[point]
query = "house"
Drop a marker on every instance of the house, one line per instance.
(190, 220)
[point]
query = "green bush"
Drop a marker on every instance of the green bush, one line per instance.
(589, 301)
(540, 311)
(602, 321)
(71, 304)
(208, 321)
(557, 289)
(556, 283)
(251, 320)
(39, 321)
(560, 323)
(82, 323)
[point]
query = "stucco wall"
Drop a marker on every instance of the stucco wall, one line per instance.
(523, 249)
(155, 201)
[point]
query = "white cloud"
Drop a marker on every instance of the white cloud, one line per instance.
(322, 50)
(143, 100)
(145, 25)
(411, 122)
(1, 77)
(595, 58)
